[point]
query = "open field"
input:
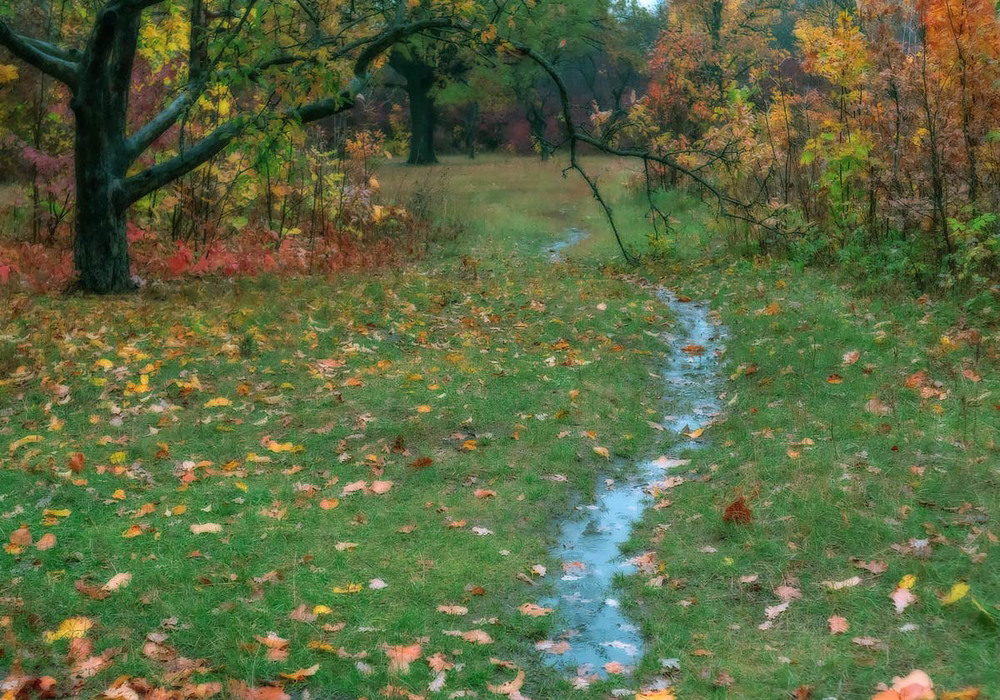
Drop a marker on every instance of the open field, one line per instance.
(327, 441)
(235, 482)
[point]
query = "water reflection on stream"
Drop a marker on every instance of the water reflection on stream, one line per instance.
(598, 631)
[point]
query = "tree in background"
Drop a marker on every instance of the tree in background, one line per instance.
(247, 62)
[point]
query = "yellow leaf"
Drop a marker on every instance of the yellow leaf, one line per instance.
(70, 628)
(8, 73)
(118, 458)
(322, 610)
(349, 588)
(56, 512)
(26, 440)
(284, 447)
(665, 694)
(908, 581)
(119, 495)
(957, 592)
(218, 402)
(301, 674)
(603, 451)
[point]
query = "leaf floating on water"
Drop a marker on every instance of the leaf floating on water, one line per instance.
(665, 462)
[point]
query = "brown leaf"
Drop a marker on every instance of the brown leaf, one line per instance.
(238, 690)
(838, 624)
(400, 657)
(738, 512)
(532, 610)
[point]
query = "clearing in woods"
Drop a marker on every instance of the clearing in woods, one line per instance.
(358, 486)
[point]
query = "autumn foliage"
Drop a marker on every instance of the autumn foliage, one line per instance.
(867, 136)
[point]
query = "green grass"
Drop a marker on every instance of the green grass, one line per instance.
(475, 332)
(870, 480)
(465, 364)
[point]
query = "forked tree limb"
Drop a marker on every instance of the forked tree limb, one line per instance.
(729, 206)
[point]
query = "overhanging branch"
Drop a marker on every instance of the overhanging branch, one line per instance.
(138, 186)
(49, 59)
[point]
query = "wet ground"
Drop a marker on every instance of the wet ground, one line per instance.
(597, 630)
(573, 236)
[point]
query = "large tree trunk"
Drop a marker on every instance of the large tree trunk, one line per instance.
(423, 119)
(100, 106)
(100, 247)
(423, 116)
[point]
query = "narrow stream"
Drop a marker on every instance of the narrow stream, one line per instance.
(598, 632)
(573, 236)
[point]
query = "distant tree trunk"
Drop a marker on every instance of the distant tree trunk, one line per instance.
(539, 127)
(423, 115)
(940, 209)
(471, 129)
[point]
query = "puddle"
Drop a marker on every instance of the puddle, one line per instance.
(573, 236)
(598, 631)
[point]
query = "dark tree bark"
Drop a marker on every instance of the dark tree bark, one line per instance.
(99, 78)
(100, 105)
(423, 114)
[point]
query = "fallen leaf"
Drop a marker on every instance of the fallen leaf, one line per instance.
(838, 624)
(400, 657)
(957, 592)
(453, 609)
(902, 598)
(301, 674)
(839, 585)
(380, 487)
(532, 610)
(117, 581)
(738, 512)
(70, 628)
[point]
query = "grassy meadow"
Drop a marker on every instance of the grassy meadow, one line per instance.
(352, 486)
